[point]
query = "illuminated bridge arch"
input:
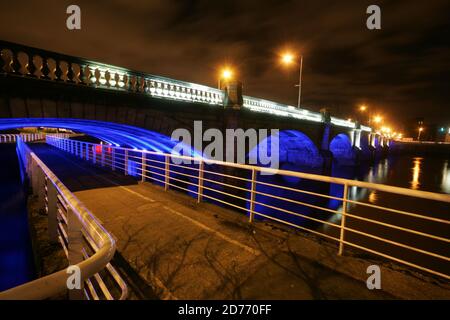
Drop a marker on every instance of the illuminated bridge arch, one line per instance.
(116, 134)
(341, 147)
(296, 149)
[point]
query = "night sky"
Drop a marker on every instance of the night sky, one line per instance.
(401, 71)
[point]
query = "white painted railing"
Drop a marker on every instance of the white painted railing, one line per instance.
(267, 106)
(418, 240)
(85, 241)
(29, 137)
(12, 138)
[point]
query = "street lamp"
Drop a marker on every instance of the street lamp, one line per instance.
(420, 132)
(226, 74)
(377, 119)
(288, 59)
(363, 108)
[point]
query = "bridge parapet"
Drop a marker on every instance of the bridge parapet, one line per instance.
(41, 64)
(24, 61)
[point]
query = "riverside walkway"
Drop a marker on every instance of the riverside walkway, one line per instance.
(185, 250)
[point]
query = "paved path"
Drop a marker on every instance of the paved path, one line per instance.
(186, 250)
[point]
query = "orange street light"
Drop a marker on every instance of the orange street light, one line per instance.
(287, 58)
(225, 74)
(377, 119)
(420, 132)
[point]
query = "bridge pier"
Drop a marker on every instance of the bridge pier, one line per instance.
(324, 150)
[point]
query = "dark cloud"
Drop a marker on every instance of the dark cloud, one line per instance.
(401, 70)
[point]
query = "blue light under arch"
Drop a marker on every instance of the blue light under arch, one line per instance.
(116, 134)
(296, 149)
(341, 147)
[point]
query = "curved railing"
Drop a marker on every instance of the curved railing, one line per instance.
(73, 225)
(416, 239)
(28, 137)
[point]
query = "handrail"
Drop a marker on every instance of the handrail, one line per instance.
(28, 137)
(53, 284)
(243, 193)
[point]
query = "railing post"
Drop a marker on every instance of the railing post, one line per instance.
(52, 209)
(201, 167)
(167, 173)
(143, 167)
(344, 211)
(252, 196)
(34, 177)
(113, 159)
(125, 164)
(94, 155)
(86, 147)
(103, 156)
(75, 248)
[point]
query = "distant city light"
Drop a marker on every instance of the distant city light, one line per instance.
(377, 119)
(363, 108)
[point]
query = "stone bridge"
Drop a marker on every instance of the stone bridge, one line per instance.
(42, 88)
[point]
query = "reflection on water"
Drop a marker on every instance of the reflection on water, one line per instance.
(416, 173)
(415, 183)
(372, 196)
(16, 259)
(445, 185)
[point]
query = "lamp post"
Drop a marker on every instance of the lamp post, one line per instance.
(420, 132)
(288, 59)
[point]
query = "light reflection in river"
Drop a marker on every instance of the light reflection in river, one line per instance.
(415, 183)
(445, 185)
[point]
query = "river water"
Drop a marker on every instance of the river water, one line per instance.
(413, 172)
(16, 259)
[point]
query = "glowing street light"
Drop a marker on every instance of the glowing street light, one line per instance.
(226, 74)
(288, 59)
(420, 132)
(363, 108)
(377, 119)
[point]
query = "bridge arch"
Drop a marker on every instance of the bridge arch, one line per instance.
(296, 150)
(341, 148)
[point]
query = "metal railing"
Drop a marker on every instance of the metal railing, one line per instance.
(85, 241)
(414, 239)
(28, 137)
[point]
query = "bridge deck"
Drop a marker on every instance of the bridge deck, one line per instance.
(187, 250)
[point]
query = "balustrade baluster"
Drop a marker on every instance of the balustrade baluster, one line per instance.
(2, 62)
(92, 76)
(31, 68)
(70, 74)
(45, 70)
(82, 74)
(15, 63)
(142, 84)
(58, 71)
